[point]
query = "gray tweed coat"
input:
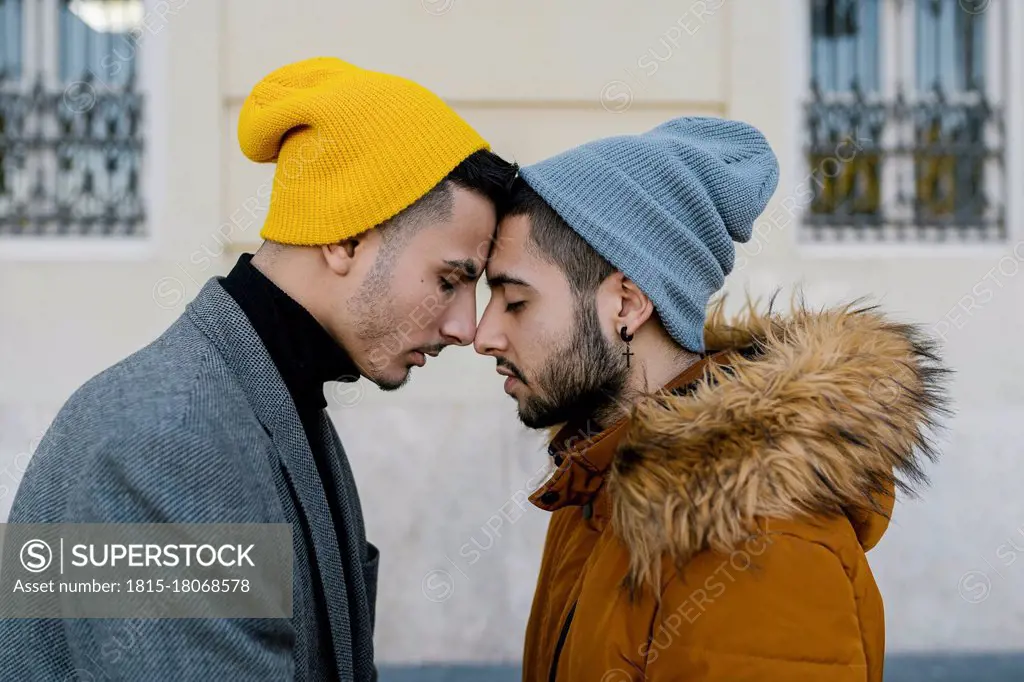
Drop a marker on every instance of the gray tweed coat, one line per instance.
(198, 427)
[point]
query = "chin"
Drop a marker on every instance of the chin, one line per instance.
(392, 379)
(531, 421)
(534, 417)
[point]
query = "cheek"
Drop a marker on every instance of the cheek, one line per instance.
(416, 309)
(531, 341)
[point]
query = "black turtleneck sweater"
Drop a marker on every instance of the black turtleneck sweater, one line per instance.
(304, 353)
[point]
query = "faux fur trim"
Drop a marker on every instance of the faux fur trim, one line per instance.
(816, 413)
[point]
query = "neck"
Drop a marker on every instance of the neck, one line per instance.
(294, 272)
(655, 363)
(663, 368)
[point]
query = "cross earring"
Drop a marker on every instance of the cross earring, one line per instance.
(627, 338)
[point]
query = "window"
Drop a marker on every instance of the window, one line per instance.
(905, 120)
(70, 119)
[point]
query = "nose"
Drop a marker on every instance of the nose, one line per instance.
(490, 340)
(459, 324)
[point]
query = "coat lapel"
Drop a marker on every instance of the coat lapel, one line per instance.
(357, 555)
(220, 318)
(293, 448)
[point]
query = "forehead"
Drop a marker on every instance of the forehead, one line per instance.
(473, 217)
(511, 247)
(516, 257)
(461, 241)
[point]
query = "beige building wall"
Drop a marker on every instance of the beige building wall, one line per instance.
(443, 464)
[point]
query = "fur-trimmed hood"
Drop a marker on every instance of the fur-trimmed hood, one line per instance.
(814, 413)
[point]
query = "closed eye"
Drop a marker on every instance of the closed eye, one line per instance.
(514, 306)
(463, 271)
(453, 279)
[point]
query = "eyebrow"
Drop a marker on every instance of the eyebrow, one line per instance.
(466, 265)
(501, 279)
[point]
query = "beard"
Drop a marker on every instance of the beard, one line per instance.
(581, 379)
(374, 325)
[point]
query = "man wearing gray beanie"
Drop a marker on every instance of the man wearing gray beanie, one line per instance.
(716, 482)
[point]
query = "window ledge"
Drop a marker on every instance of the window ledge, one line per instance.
(889, 251)
(72, 249)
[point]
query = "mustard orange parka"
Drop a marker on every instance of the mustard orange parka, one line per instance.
(719, 532)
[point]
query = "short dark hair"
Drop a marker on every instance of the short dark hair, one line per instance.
(486, 173)
(553, 240)
(483, 172)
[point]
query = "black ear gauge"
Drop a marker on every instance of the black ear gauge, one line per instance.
(627, 338)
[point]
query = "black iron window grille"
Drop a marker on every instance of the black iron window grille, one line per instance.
(71, 137)
(905, 121)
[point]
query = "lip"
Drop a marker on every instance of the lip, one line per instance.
(418, 358)
(510, 383)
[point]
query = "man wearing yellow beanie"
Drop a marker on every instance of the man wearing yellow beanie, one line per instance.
(381, 217)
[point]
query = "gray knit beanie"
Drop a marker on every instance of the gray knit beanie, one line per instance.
(665, 207)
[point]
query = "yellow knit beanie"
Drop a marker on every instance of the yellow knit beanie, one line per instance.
(353, 147)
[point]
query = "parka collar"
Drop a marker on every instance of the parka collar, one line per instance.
(583, 454)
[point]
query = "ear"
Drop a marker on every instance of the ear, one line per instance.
(341, 257)
(635, 307)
